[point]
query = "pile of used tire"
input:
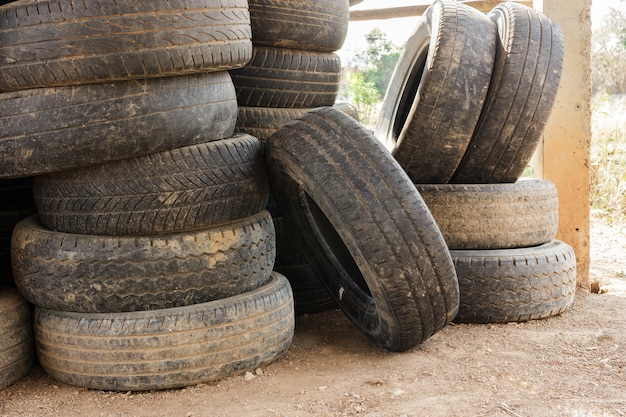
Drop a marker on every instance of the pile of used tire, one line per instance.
(154, 131)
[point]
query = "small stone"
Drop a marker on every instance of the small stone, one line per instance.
(323, 388)
(258, 371)
(249, 376)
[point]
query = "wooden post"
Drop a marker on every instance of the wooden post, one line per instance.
(563, 156)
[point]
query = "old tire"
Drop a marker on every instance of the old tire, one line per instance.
(529, 61)
(366, 231)
(169, 348)
(53, 129)
(437, 91)
(494, 216)
(108, 274)
(262, 122)
(45, 44)
(509, 285)
(310, 25)
(288, 78)
(17, 347)
(187, 188)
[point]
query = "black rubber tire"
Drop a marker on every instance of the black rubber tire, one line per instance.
(437, 91)
(17, 347)
(309, 25)
(367, 233)
(169, 348)
(187, 188)
(107, 274)
(514, 285)
(46, 44)
(53, 129)
(288, 78)
(494, 216)
(16, 203)
(529, 62)
(262, 122)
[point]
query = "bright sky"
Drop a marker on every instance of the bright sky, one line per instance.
(398, 30)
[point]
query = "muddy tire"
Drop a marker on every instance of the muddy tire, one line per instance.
(288, 78)
(107, 274)
(53, 129)
(17, 347)
(529, 61)
(494, 216)
(262, 122)
(310, 25)
(514, 285)
(167, 348)
(193, 187)
(367, 233)
(437, 91)
(44, 44)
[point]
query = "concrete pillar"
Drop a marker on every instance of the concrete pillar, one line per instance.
(563, 156)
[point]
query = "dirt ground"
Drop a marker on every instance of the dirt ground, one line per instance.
(570, 365)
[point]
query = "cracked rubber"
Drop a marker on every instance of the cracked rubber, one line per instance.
(108, 274)
(17, 347)
(288, 78)
(526, 75)
(310, 25)
(494, 216)
(187, 188)
(515, 285)
(53, 129)
(169, 348)
(365, 230)
(47, 43)
(437, 91)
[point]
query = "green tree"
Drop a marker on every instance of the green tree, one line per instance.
(608, 54)
(362, 94)
(378, 60)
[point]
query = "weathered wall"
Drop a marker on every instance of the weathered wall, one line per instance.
(563, 156)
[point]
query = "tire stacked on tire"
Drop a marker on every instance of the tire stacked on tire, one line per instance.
(150, 261)
(464, 112)
(293, 70)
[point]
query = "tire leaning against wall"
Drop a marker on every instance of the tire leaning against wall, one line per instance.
(192, 187)
(56, 43)
(53, 129)
(167, 348)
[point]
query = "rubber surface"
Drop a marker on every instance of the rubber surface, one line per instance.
(17, 347)
(108, 274)
(48, 130)
(514, 285)
(170, 348)
(366, 231)
(494, 216)
(47, 43)
(187, 188)
(288, 78)
(437, 91)
(529, 62)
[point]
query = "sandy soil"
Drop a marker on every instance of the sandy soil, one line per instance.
(570, 365)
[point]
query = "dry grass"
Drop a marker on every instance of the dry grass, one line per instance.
(608, 158)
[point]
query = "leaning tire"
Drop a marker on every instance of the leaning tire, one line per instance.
(149, 350)
(507, 285)
(437, 91)
(529, 61)
(494, 216)
(310, 25)
(366, 231)
(288, 78)
(187, 188)
(47, 130)
(107, 274)
(17, 348)
(45, 44)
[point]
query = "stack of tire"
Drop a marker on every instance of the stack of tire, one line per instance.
(464, 112)
(150, 261)
(292, 71)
